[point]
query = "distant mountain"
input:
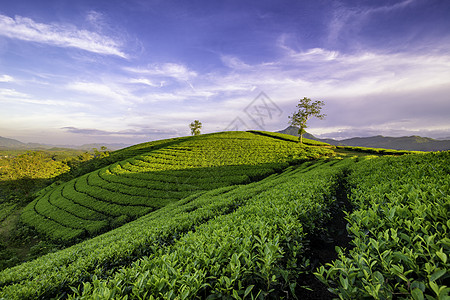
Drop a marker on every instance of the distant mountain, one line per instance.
(291, 130)
(12, 144)
(412, 143)
(6, 143)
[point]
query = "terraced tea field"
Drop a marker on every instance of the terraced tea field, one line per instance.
(130, 188)
(234, 216)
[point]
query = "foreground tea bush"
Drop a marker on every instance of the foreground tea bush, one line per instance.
(400, 227)
(254, 250)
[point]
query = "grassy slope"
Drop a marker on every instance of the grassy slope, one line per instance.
(154, 175)
(288, 137)
(180, 229)
(157, 231)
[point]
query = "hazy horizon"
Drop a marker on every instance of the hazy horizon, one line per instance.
(118, 142)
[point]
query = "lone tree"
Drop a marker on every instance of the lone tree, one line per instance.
(195, 127)
(306, 110)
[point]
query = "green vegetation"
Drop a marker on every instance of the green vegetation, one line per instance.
(25, 173)
(108, 197)
(377, 150)
(240, 215)
(287, 137)
(195, 127)
(267, 218)
(400, 228)
(22, 174)
(306, 110)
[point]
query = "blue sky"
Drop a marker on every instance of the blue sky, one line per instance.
(74, 72)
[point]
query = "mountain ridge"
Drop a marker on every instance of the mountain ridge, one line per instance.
(13, 144)
(411, 143)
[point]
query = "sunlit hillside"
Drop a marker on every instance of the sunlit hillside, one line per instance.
(152, 178)
(244, 215)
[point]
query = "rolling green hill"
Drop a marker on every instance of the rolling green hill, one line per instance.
(154, 175)
(247, 215)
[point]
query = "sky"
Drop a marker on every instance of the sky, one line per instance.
(109, 71)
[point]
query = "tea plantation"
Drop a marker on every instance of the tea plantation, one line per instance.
(130, 188)
(233, 215)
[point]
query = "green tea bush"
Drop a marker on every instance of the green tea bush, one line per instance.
(159, 174)
(235, 241)
(400, 229)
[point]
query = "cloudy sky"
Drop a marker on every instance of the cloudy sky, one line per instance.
(74, 72)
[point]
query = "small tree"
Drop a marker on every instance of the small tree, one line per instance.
(195, 127)
(306, 110)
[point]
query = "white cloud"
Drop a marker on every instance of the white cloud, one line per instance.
(344, 81)
(234, 62)
(370, 89)
(312, 55)
(48, 102)
(26, 29)
(346, 21)
(96, 19)
(14, 97)
(176, 71)
(109, 92)
(146, 82)
(6, 78)
(330, 73)
(12, 93)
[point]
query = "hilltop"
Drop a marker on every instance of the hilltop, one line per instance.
(410, 143)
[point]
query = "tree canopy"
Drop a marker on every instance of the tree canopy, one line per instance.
(306, 110)
(195, 127)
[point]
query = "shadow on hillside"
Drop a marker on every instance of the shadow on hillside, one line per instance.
(154, 190)
(19, 243)
(21, 190)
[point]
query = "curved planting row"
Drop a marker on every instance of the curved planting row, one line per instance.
(242, 239)
(400, 228)
(125, 190)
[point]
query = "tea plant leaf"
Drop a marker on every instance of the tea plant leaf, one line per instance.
(438, 274)
(417, 294)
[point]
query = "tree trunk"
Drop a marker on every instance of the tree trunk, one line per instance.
(301, 130)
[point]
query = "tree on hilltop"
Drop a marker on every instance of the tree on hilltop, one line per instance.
(306, 110)
(195, 127)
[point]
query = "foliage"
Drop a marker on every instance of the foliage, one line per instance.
(306, 110)
(7, 257)
(22, 174)
(236, 241)
(91, 203)
(232, 216)
(195, 127)
(400, 230)
(378, 150)
(27, 172)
